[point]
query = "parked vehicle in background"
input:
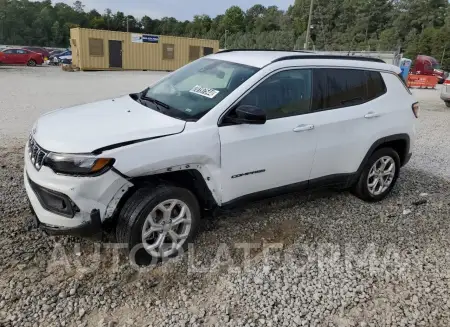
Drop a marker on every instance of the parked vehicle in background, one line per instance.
(426, 65)
(445, 92)
(56, 53)
(230, 127)
(55, 60)
(20, 57)
(67, 60)
(44, 52)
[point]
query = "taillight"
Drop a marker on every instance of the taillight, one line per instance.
(447, 82)
(416, 109)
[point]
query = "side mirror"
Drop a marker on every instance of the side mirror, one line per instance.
(247, 114)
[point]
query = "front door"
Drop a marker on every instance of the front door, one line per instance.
(9, 56)
(276, 156)
(115, 54)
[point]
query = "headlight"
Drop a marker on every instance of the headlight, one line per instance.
(82, 165)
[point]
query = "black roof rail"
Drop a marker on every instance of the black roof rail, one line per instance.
(309, 55)
(319, 56)
(277, 50)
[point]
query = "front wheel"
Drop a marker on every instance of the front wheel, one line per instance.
(158, 223)
(378, 176)
(447, 103)
(31, 63)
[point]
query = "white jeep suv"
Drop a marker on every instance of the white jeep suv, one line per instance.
(230, 127)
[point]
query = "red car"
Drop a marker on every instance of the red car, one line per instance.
(44, 52)
(20, 57)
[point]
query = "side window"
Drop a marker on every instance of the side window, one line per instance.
(22, 51)
(95, 47)
(9, 51)
(284, 94)
(340, 88)
(168, 51)
(375, 85)
(337, 88)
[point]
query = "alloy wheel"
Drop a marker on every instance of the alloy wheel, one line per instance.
(166, 228)
(381, 175)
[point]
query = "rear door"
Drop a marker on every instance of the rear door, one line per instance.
(349, 105)
(22, 56)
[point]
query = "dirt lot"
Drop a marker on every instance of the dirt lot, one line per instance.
(29, 92)
(328, 260)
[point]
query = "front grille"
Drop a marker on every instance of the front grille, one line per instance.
(36, 153)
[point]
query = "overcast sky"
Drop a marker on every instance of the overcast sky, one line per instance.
(180, 9)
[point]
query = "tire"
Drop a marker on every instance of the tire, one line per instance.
(447, 103)
(31, 63)
(147, 201)
(377, 193)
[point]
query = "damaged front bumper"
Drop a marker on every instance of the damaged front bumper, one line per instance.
(91, 229)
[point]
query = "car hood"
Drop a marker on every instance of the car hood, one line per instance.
(89, 127)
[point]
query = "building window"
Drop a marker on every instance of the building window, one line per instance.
(168, 51)
(194, 52)
(96, 47)
(207, 51)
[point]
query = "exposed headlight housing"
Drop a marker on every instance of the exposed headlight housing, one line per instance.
(78, 165)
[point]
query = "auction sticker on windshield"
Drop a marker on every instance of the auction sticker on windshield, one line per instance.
(204, 91)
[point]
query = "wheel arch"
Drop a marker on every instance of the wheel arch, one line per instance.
(399, 142)
(189, 178)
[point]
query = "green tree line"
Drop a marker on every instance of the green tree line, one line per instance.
(415, 26)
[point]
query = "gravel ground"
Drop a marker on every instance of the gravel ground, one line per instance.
(326, 260)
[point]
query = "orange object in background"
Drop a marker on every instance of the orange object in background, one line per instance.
(422, 81)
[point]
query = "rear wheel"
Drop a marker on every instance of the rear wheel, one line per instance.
(158, 223)
(447, 103)
(31, 63)
(379, 175)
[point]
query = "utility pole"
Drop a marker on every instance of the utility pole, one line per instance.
(309, 25)
(226, 43)
(127, 25)
(443, 55)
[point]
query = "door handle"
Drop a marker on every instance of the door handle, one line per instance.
(372, 114)
(303, 128)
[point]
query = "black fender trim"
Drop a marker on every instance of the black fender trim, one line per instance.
(191, 179)
(396, 137)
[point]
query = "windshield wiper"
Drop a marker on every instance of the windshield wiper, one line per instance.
(154, 101)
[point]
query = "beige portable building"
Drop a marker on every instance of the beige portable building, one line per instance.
(110, 50)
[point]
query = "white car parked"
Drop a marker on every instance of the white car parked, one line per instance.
(230, 127)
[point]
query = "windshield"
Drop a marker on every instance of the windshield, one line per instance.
(198, 87)
(436, 66)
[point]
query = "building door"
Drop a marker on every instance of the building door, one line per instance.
(115, 54)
